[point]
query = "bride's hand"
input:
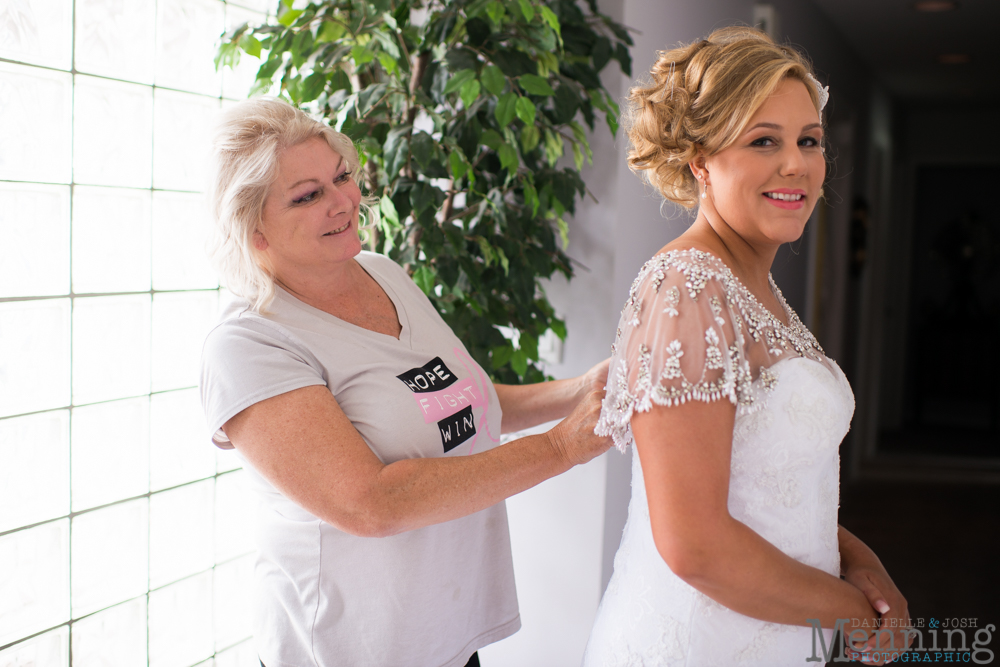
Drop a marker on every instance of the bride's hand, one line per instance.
(863, 569)
(872, 580)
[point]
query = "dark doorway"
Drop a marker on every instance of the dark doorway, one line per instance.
(951, 382)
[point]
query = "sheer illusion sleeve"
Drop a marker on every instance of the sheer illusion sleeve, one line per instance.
(680, 338)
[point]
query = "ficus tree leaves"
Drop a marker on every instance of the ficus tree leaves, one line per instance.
(462, 111)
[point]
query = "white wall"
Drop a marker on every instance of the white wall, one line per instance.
(557, 528)
(556, 538)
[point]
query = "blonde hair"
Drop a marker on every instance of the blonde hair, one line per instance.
(700, 99)
(248, 142)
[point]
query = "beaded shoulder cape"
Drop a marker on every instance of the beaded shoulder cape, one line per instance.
(690, 330)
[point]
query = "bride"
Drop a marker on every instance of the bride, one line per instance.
(732, 543)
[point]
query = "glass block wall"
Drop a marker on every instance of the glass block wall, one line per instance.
(124, 536)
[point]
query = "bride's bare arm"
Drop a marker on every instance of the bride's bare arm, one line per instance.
(685, 454)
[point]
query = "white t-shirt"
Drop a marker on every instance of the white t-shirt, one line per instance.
(425, 598)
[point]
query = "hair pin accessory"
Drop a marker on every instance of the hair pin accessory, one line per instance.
(821, 90)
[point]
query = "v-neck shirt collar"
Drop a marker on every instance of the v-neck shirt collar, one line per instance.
(371, 268)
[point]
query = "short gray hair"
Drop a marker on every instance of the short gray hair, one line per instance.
(248, 142)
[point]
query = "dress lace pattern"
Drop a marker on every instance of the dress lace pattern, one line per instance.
(691, 331)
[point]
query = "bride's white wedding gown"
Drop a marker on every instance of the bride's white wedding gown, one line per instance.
(691, 331)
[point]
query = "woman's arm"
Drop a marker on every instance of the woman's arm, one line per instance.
(304, 444)
(687, 482)
(529, 405)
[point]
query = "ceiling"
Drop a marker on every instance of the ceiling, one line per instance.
(904, 46)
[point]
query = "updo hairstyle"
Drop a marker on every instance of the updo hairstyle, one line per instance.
(248, 142)
(701, 98)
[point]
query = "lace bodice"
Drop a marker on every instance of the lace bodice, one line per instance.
(691, 331)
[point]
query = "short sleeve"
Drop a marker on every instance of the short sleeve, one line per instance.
(679, 339)
(245, 361)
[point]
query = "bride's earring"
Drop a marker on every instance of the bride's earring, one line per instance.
(704, 192)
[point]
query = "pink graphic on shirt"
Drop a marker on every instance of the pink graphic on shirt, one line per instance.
(484, 425)
(437, 405)
(449, 402)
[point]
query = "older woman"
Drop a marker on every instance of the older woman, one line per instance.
(732, 554)
(368, 430)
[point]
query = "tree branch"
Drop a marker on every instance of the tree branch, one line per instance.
(416, 76)
(449, 202)
(413, 240)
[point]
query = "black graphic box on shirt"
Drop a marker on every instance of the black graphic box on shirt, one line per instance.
(444, 399)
